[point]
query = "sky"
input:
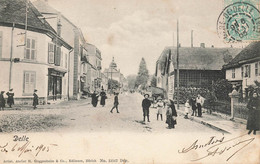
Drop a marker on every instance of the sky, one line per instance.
(131, 29)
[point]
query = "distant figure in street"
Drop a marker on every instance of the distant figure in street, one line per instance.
(193, 107)
(199, 101)
(116, 103)
(103, 98)
(171, 115)
(10, 99)
(94, 100)
(253, 121)
(2, 100)
(187, 109)
(159, 106)
(146, 103)
(35, 99)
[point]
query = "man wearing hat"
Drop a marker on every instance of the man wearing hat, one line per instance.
(146, 103)
(35, 99)
(116, 103)
(2, 100)
(10, 99)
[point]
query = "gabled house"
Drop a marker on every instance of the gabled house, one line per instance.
(199, 67)
(32, 54)
(243, 70)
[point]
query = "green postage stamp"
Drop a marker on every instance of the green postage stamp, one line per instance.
(239, 21)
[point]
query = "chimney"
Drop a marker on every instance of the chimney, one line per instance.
(202, 45)
(191, 38)
(59, 26)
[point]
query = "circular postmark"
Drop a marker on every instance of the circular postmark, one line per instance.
(239, 22)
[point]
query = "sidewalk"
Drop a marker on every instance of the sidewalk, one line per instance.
(218, 121)
(58, 105)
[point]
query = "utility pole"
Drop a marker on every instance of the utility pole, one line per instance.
(178, 71)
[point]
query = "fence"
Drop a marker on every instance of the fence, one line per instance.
(240, 110)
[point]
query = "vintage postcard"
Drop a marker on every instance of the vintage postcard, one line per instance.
(129, 81)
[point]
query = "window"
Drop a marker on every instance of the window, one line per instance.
(30, 49)
(233, 73)
(256, 69)
(51, 49)
(1, 43)
(247, 70)
(242, 71)
(29, 82)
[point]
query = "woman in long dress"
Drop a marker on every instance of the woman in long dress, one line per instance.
(171, 115)
(10, 99)
(94, 100)
(253, 121)
(103, 98)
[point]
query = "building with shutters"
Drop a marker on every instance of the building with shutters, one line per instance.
(32, 58)
(243, 70)
(94, 78)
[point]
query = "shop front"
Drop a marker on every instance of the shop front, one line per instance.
(55, 84)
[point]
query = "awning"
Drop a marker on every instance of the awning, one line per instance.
(57, 72)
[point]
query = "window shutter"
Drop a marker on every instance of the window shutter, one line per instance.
(51, 53)
(57, 56)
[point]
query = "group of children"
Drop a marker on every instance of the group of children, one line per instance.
(10, 99)
(171, 113)
(195, 104)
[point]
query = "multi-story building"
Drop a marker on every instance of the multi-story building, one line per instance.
(199, 67)
(113, 73)
(32, 54)
(243, 70)
(94, 73)
(71, 34)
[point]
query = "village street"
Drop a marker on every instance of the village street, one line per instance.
(81, 116)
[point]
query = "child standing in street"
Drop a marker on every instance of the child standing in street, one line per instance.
(159, 106)
(187, 109)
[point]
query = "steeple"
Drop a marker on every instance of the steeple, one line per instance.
(113, 64)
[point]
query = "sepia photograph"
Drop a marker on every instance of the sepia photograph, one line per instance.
(129, 81)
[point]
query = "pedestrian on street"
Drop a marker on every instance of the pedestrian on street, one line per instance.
(146, 103)
(116, 103)
(103, 97)
(187, 109)
(10, 99)
(2, 100)
(160, 107)
(193, 107)
(253, 121)
(199, 102)
(35, 99)
(94, 100)
(171, 115)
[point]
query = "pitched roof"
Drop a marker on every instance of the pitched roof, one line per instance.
(197, 58)
(13, 11)
(251, 52)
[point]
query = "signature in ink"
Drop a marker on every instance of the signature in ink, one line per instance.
(220, 146)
